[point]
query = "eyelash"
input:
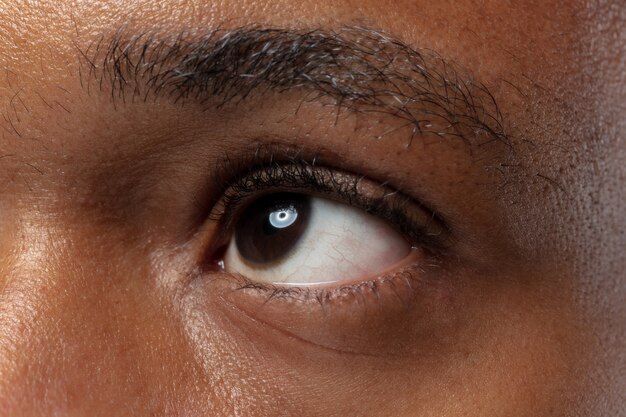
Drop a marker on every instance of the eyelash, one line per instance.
(300, 175)
(322, 296)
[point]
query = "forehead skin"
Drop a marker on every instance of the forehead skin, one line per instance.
(558, 72)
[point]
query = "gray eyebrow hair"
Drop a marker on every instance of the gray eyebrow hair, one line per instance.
(358, 68)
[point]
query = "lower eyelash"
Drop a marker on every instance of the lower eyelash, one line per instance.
(422, 228)
(404, 282)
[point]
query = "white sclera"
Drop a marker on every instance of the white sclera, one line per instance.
(340, 244)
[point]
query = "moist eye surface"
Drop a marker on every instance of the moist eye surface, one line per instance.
(298, 239)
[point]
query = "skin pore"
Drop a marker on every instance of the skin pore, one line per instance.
(125, 124)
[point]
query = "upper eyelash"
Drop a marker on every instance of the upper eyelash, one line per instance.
(299, 174)
(267, 171)
(294, 174)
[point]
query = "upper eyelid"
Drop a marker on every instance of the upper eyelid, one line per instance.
(300, 175)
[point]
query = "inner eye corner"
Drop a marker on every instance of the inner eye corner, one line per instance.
(213, 261)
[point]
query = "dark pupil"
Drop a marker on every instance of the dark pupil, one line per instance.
(271, 226)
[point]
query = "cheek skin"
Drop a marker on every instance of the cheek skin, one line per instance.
(218, 361)
(83, 329)
(452, 338)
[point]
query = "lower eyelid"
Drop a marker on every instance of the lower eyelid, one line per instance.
(366, 318)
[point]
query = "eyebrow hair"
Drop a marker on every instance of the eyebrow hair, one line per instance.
(357, 68)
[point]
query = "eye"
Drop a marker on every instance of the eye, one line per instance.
(297, 239)
(333, 258)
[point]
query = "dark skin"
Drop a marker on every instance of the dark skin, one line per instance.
(110, 299)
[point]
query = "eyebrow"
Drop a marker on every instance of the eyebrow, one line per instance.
(357, 68)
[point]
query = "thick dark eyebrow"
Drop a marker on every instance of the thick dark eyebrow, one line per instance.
(357, 68)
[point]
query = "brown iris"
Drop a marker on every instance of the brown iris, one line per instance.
(271, 226)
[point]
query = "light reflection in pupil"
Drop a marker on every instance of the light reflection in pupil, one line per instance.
(281, 219)
(271, 227)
